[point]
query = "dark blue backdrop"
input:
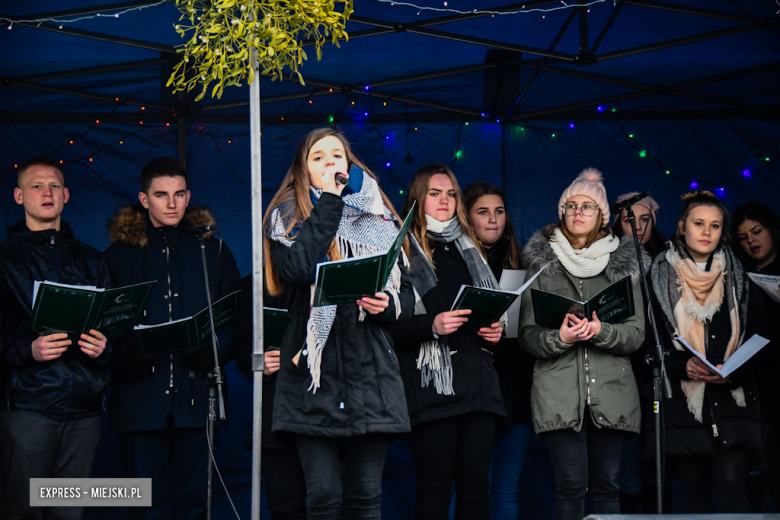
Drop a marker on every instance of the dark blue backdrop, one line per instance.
(728, 127)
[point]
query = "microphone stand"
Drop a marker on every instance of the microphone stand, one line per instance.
(659, 368)
(215, 383)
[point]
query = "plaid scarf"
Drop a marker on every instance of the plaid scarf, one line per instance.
(366, 227)
(434, 361)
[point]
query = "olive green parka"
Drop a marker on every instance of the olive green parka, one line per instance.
(594, 375)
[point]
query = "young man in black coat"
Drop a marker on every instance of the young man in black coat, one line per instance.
(159, 404)
(50, 425)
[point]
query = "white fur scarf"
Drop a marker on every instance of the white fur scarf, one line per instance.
(586, 262)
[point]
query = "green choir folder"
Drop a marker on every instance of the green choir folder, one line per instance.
(612, 305)
(348, 280)
(77, 309)
(178, 335)
(487, 305)
(275, 322)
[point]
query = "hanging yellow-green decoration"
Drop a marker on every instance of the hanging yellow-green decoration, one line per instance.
(224, 33)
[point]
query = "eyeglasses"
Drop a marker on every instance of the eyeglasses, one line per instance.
(587, 210)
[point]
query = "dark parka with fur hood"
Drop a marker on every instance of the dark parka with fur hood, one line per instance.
(71, 386)
(596, 373)
(139, 253)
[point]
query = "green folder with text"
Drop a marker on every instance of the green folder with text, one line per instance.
(178, 335)
(348, 280)
(77, 309)
(612, 305)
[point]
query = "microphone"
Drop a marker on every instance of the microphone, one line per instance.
(201, 230)
(341, 179)
(620, 206)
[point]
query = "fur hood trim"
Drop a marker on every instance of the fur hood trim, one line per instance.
(131, 224)
(622, 262)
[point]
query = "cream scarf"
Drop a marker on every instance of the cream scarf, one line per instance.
(701, 295)
(587, 262)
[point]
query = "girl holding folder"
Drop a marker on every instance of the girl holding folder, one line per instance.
(451, 386)
(487, 211)
(584, 396)
(701, 293)
(339, 389)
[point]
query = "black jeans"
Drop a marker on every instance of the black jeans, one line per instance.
(585, 461)
(455, 449)
(728, 471)
(176, 459)
(365, 460)
(33, 446)
(284, 483)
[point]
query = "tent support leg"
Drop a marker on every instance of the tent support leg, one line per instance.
(257, 288)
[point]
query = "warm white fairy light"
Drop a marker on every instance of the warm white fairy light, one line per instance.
(522, 10)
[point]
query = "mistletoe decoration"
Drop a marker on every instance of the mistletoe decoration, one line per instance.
(224, 34)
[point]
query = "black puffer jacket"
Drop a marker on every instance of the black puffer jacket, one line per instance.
(360, 385)
(71, 386)
(474, 379)
(141, 253)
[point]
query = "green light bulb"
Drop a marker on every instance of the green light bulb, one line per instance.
(630, 136)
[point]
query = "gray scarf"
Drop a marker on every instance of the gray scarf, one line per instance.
(434, 361)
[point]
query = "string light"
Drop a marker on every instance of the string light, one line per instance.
(694, 184)
(59, 21)
(522, 10)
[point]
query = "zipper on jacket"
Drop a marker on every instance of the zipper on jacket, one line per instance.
(706, 397)
(587, 375)
(53, 258)
(170, 302)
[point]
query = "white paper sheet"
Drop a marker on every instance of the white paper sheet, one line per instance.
(770, 284)
(737, 359)
(512, 280)
(37, 284)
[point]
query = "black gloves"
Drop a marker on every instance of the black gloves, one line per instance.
(200, 357)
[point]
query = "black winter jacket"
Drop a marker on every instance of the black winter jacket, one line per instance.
(360, 385)
(723, 422)
(514, 366)
(140, 253)
(71, 386)
(474, 379)
(768, 389)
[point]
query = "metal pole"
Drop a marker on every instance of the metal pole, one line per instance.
(257, 287)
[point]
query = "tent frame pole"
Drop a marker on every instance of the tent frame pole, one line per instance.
(258, 365)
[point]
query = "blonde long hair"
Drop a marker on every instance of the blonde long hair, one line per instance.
(418, 191)
(293, 199)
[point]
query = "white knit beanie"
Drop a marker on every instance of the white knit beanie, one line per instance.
(588, 183)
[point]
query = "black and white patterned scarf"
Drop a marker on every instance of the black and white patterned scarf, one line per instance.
(366, 227)
(434, 361)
